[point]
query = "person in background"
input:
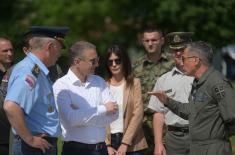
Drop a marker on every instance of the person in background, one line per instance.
(178, 85)
(125, 135)
(148, 68)
(6, 60)
(85, 104)
(29, 104)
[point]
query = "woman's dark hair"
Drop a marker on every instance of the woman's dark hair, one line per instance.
(126, 63)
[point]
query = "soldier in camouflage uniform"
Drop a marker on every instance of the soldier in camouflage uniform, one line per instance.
(211, 107)
(148, 68)
(6, 58)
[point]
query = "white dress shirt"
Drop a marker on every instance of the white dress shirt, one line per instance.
(179, 87)
(81, 108)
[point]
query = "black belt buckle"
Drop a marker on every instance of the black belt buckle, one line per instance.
(118, 135)
(99, 146)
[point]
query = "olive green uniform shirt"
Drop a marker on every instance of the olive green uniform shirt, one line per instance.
(211, 107)
(4, 123)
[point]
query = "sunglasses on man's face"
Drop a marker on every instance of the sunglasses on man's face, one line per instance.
(117, 61)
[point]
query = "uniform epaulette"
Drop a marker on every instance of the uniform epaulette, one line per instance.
(36, 70)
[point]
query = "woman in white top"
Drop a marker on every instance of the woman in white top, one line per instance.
(125, 135)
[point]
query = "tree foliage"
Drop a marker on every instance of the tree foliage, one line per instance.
(106, 21)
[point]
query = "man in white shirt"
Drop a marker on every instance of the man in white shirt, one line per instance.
(178, 86)
(84, 102)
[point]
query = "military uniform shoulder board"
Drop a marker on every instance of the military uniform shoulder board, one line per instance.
(36, 70)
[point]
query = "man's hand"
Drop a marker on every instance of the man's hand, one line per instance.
(40, 143)
(161, 95)
(159, 149)
(111, 107)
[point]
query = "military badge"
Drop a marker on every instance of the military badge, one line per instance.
(201, 97)
(30, 81)
(36, 70)
(177, 38)
(219, 92)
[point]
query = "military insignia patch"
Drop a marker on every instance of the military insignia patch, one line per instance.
(219, 92)
(36, 70)
(30, 81)
(176, 38)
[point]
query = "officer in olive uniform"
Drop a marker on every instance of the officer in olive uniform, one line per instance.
(29, 103)
(6, 58)
(211, 104)
(148, 68)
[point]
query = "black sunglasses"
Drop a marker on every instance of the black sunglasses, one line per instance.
(117, 61)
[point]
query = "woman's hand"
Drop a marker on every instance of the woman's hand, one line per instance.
(122, 149)
(111, 151)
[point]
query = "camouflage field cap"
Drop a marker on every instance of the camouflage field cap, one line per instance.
(57, 33)
(178, 40)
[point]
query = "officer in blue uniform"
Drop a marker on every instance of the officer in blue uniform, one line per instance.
(29, 104)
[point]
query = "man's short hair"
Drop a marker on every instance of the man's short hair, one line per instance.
(149, 29)
(5, 39)
(77, 49)
(203, 50)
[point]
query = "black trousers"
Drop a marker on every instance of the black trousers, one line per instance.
(4, 149)
(73, 148)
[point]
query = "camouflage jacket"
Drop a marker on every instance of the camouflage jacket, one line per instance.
(4, 123)
(148, 72)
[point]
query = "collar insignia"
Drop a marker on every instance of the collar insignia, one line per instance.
(36, 70)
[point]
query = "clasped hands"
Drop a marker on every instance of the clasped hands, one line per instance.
(111, 107)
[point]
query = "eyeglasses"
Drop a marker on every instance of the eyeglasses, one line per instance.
(117, 61)
(93, 61)
(189, 57)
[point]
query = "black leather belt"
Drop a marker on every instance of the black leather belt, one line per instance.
(97, 146)
(177, 129)
(119, 134)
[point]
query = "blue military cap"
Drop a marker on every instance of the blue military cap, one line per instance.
(178, 40)
(57, 33)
